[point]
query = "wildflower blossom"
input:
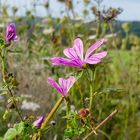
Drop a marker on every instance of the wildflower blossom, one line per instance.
(11, 33)
(75, 55)
(64, 84)
(38, 122)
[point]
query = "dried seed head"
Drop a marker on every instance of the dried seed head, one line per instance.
(84, 112)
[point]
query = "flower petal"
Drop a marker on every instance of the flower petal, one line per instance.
(77, 63)
(100, 55)
(38, 122)
(10, 32)
(96, 58)
(62, 83)
(94, 47)
(66, 62)
(70, 81)
(70, 53)
(76, 52)
(55, 85)
(60, 61)
(78, 47)
(66, 84)
(93, 60)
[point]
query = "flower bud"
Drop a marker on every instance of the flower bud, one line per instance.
(38, 122)
(11, 33)
(84, 112)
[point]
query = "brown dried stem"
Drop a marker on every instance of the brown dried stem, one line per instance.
(101, 124)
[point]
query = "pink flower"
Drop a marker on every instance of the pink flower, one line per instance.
(11, 33)
(64, 84)
(38, 122)
(75, 55)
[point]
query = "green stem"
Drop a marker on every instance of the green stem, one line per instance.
(67, 109)
(54, 109)
(98, 27)
(112, 32)
(50, 115)
(91, 96)
(91, 81)
(4, 80)
(82, 95)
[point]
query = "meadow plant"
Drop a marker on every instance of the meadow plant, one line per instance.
(92, 85)
(78, 123)
(9, 80)
(75, 59)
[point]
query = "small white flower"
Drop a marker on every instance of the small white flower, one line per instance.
(29, 106)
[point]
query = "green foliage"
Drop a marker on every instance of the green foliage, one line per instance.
(14, 132)
(115, 84)
(74, 128)
(21, 130)
(10, 134)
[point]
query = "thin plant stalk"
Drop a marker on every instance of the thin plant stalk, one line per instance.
(91, 96)
(4, 80)
(111, 29)
(109, 117)
(67, 110)
(50, 115)
(91, 81)
(82, 95)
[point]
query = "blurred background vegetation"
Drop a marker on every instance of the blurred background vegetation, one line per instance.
(117, 80)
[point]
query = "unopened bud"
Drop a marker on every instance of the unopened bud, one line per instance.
(84, 112)
(38, 122)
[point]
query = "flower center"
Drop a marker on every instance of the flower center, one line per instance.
(84, 65)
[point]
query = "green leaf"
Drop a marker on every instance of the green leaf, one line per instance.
(45, 129)
(1, 42)
(19, 127)
(68, 133)
(10, 134)
(6, 114)
(77, 74)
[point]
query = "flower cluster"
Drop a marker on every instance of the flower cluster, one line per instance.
(75, 58)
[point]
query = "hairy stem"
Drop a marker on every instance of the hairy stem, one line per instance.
(67, 110)
(112, 32)
(91, 96)
(91, 81)
(4, 80)
(82, 95)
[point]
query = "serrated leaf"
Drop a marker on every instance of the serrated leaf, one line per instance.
(19, 127)
(10, 134)
(68, 133)
(1, 42)
(77, 74)
(6, 114)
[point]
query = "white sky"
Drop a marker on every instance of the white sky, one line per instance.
(131, 7)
